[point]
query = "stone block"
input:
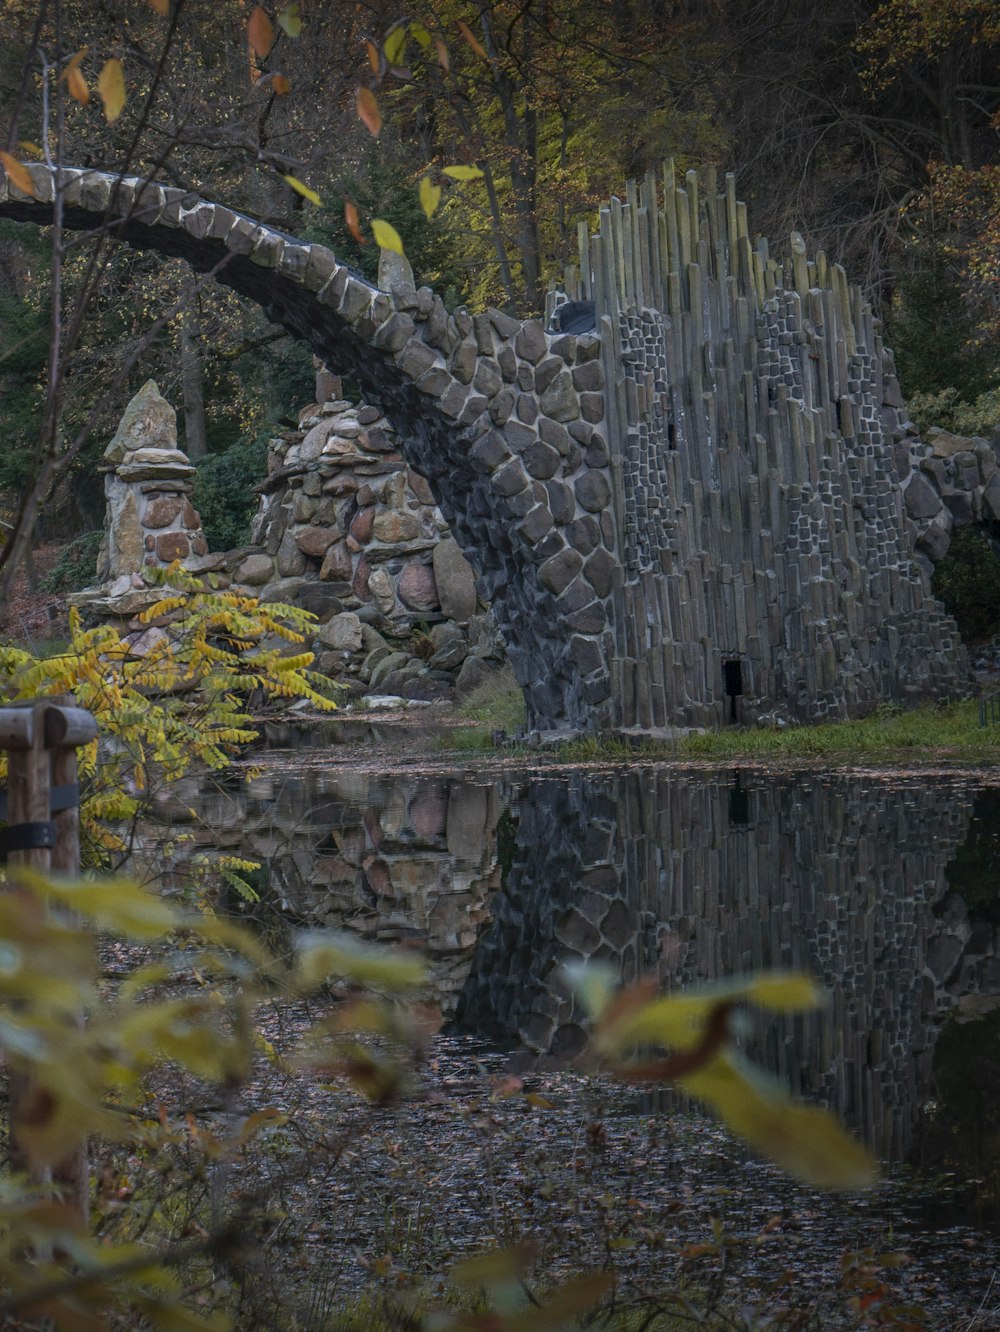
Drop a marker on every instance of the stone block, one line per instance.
(541, 461)
(509, 479)
(560, 400)
(162, 511)
(342, 633)
(921, 497)
(289, 559)
(455, 581)
(599, 572)
(416, 587)
(314, 541)
(559, 570)
(338, 563)
(394, 525)
(531, 342)
(561, 501)
(592, 491)
(255, 570)
(172, 546)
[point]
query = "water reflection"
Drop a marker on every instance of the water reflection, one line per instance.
(698, 879)
(874, 885)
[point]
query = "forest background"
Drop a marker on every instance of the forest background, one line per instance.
(873, 129)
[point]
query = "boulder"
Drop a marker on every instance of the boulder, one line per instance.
(455, 581)
(148, 421)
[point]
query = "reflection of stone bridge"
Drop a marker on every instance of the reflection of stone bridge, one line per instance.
(694, 879)
(694, 504)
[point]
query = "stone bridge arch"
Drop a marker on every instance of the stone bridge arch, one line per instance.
(503, 419)
(688, 515)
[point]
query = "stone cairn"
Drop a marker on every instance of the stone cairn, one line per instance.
(150, 520)
(348, 531)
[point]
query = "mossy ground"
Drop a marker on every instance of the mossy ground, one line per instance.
(891, 734)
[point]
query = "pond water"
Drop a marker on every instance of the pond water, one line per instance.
(883, 885)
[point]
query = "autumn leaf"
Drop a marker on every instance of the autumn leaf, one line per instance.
(374, 59)
(420, 34)
(472, 40)
(290, 20)
(395, 42)
(31, 149)
(300, 188)
(352, 223)
(463, 172)
(368, 110)
(281, 85)
(161, 7)
(260, 33)
(17, 174)
(430, 196)
(386, 235)
(444, 59)
(111, 86)
(75, 81)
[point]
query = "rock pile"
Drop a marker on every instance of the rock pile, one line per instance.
(948, 481)
(345, 530)
(348, 531)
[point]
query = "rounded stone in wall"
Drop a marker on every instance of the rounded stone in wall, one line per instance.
(162, 511)
(592, 491)
(381, 589)
(338, 564)
(362, 523)
(255, 570)
(172, 546)
(315, 541)
(395, 525)
(416, 587)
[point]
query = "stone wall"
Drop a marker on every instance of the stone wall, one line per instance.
(765, 560)
(150, 520)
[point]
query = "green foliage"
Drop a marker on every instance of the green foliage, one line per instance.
(384, 189)
(948, 410)
(888, 733)
(76, 566)
(931, 332)
(223, 492)
(86, 1081)
(968, 582)
(495, 705)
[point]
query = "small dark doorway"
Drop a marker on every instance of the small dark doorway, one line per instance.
(732, 683)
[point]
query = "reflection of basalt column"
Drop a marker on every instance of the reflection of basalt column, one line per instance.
(703, 879)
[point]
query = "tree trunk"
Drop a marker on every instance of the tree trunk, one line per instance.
(192, 382)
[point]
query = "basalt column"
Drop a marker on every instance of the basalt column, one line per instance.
(765, 565)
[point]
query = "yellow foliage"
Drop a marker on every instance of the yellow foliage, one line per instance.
(180, 707)
(697, 1028)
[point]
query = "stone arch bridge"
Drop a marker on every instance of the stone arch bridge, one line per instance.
(690, 513)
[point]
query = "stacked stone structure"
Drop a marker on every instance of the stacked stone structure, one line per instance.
(690, 513)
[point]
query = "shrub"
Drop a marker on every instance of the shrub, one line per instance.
(76, 566)
(223, 492)
(967, 580)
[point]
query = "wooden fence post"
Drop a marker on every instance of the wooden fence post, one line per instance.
(41, 739)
